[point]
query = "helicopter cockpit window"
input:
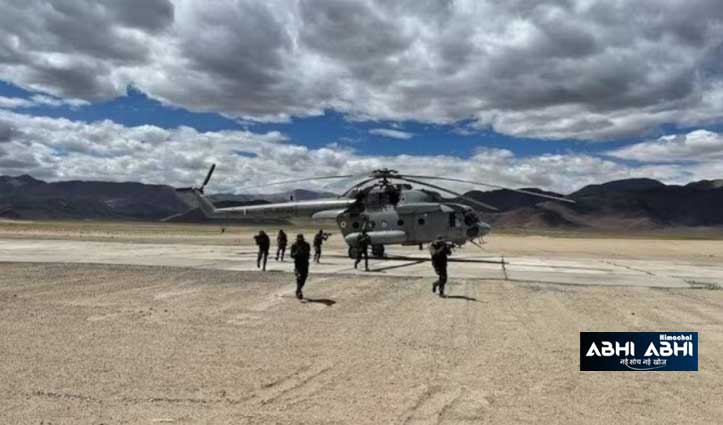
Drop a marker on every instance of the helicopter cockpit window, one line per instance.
(470, 218)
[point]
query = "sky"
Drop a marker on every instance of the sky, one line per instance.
(550, 94)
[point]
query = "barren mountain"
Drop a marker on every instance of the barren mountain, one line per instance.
(26, 197)
(632, 204)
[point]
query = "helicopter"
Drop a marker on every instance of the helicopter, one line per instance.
(383, 204)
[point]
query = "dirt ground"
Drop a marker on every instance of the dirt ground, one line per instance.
(125, 344)
(117, 344)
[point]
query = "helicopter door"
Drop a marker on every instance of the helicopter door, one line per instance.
(422, 229)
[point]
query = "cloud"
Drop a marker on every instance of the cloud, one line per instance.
(583, 69)
(7, 131)
(14, 102)
(698, 145)
(61, 149)
(394, 134)
(39, 100)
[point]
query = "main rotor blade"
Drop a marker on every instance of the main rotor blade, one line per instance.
(459, 195)
(361, 183)
(527, 192)
(208, 176)
(301, 180)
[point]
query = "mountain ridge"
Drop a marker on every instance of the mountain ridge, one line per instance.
(635, 204)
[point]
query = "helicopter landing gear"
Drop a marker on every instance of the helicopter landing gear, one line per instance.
(378, 251)
(353, 251)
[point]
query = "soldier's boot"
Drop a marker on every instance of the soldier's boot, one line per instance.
(299, 284)
(434, 287)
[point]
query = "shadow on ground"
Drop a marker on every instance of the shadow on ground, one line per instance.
(461, 297)
(327, 302)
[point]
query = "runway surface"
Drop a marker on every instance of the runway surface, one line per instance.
(469, 262)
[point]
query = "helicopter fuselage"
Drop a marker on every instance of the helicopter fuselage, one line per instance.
(417, 217)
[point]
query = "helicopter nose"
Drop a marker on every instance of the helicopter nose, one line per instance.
(484, 228)
(478, 230)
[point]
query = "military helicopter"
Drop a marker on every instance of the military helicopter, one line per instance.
(383, 204)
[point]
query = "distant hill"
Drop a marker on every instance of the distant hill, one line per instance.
(506, 200)
(24, 197)
(29, 198)
(632, 204)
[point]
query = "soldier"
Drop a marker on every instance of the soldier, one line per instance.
(300, 252)
(263, 241)
(281, 244)
(319, 239)
(439, 251)
(363, 241)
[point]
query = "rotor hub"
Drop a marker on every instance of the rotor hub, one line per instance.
(384, 173)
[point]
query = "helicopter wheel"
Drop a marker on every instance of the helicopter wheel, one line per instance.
(378, 251)
(353, 252)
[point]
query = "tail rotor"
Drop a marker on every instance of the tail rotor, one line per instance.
(208, 177)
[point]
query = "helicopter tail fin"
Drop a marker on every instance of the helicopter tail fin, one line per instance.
(196, 199)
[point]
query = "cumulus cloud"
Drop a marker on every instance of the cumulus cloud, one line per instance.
(60, 149)
(392, 133)
(698, 145)
(584, 69)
